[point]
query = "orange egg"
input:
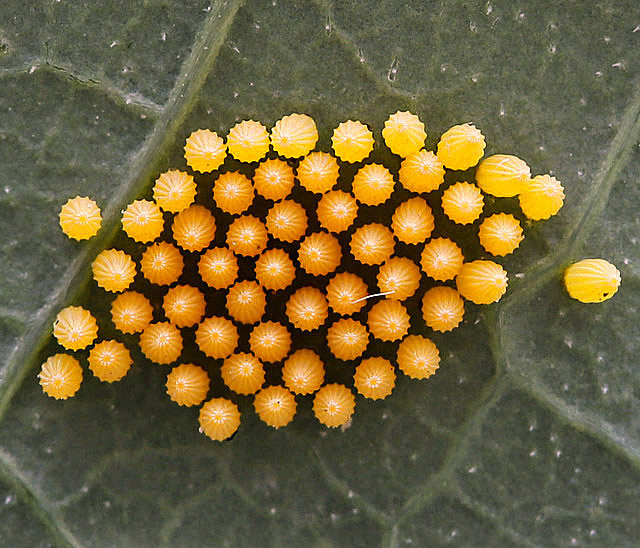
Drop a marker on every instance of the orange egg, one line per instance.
(307, 308)
(400, 277)
(375, 378)
(187, 384)
(233, 192)
(204, 151)
(404, 133)
(275, 269)
(247, 235)
(194, 228)
(184, 305)
(346, 293)
(75, 328)
(347, 339)
(219, 419)
(388, 320)
(412, 221)
(303, 372)
(270, 341)
(500, 234)
(142, 221)
(131, 312)
(248, 141)
(274, 179)
(462, 203)
(109, 360)
(373, 184)
(319, 254)
(352, 141)
(218, 267)
(113, 270)
(336, 211)
(275, 406)
(60, 376)
(318, 172)
(287, 221)
(294, 135)
(372, 244)
(333, 405)
(217, 337)
(162, 263)
(243, 373)
(442, 308)
(246, 302)
(174, 191)
(482, 282)
(161, 342)
(418, 357)
(441, 259)
(421, 172)
(80, 218)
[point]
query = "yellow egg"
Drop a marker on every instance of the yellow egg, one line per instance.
(404, 133)
(174, 191)
(75, 328)
(503, 175)
(80, 218)
(204, 151)
(482, 282)
(461, 147)
(248, 141)
(421, 172)
(592, 280)
(142, 221)
(463, 203)
(542, 198)
(500, 234)
(294, 135)
(352, 141)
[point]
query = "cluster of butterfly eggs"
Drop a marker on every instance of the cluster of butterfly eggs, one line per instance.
(318, 254)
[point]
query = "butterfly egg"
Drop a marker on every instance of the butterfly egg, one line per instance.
(421, 172)
(404, 133)
(131, 312)
(80, 218)
(442, 308)
(336, 211)
(500, 234)
(412, 222)
(287, 221)
(275, 269)
(303, 372)
(75, 328)
(346, 293)
(441, 259)
(542, 198)
(109, 360)
(218, 267)
(246, 302)
(219, 419)
(161, 342)
(482, 282)
(217, 337)
(400, 277)
(275, 406)
(60, 376)
(247, 236)
(142, 221)
(174, 191)
(372, 244)
(373, 184)
(243, 373)
(274, 179)
(307, 308)
(184, 305)
(318, 172)
(333, 405)
(375, 378)
(187, 384)
(270, 341)
(462, 203)
(161, 263)
(294, 135)
(233, 192)
(347, 339)
(461, 147)
(592, 280)
(503, 175)
(113, 270)
(248, 141)
(388, 320)
(194, 228)
(204, 151)
(418, 357)
(352, 141)
(319, 254)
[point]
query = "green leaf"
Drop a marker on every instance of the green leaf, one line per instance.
(528, 435)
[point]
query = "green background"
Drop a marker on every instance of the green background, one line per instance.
(529, 435)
